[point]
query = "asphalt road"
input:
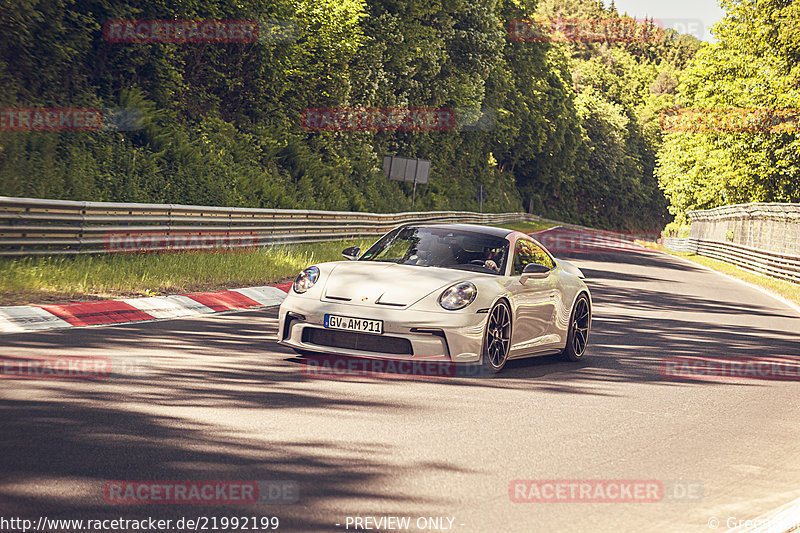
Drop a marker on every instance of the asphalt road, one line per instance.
(217, 399)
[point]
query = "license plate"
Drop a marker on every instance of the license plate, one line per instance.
(364, 325)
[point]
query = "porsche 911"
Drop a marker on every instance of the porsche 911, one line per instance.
(441, 292)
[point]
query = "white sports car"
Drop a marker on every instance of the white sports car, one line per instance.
(452, 292)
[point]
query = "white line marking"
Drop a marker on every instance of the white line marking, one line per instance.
(168, 306)
(29, 318)
(264, 295)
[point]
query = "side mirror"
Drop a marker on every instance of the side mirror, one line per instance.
(534, 271)
(351, 253)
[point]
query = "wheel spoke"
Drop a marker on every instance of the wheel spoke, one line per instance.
(581, 340)
(498, 335)
(579, 328)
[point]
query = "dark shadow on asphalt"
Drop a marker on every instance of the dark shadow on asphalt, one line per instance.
(79, 441)
(97, 434)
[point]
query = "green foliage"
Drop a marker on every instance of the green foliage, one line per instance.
(754, 64)
(38, 279)
(574, 137)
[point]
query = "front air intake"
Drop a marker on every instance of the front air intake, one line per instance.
(350, 340)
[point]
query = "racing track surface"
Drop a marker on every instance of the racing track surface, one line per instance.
(221, 400)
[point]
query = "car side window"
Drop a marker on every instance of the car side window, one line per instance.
(526, 252)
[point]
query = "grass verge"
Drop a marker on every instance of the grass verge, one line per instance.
(51, 279)
(790, 291)
(61, 279)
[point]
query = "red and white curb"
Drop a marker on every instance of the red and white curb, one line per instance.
(21, 318)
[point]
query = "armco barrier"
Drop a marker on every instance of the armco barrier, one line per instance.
(31, 226)
(760, 237)
(776, 265)
(764, 226)
(679, 245)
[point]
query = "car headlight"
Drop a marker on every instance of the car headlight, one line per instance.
(306, 279)
(458, 296)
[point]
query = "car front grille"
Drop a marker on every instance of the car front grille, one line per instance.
(351, 340)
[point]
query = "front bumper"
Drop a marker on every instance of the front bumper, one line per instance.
(455, 336)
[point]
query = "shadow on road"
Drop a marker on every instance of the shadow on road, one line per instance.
(139, 427)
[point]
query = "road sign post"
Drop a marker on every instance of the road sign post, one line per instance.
(404, 169)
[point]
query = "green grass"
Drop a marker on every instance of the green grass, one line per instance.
(47, 279)
(790, 291)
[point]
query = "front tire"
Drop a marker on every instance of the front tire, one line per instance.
(578, 335)
(497, 339)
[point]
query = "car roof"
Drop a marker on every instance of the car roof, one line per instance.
(475, 228)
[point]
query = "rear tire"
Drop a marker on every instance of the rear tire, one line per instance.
(578, 332)
(497, 339)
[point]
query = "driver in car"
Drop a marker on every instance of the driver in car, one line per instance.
(493, 257)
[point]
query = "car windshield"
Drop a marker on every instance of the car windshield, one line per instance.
(440, 247)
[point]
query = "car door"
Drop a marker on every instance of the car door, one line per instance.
(533, 302)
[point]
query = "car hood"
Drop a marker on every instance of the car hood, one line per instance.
(387, 284)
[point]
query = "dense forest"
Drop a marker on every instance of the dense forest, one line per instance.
(569, 130)
(753, 67)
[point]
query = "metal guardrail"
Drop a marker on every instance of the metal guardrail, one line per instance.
(679, 244)
(30, 226)
(764, 226)
(777, 265)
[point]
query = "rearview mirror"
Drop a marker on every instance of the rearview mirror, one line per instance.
(351, 253)
(534, 271)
